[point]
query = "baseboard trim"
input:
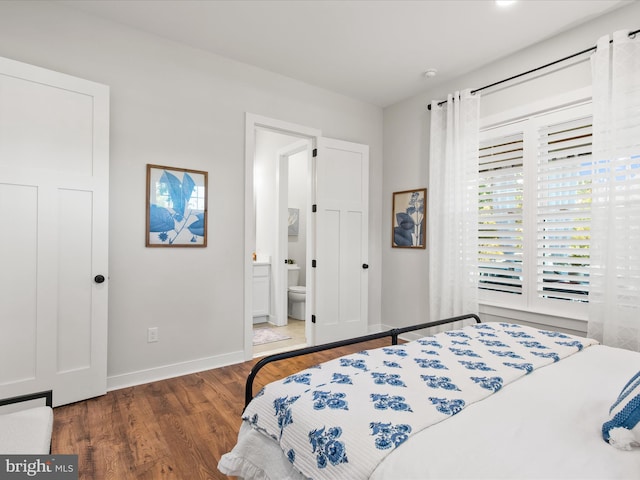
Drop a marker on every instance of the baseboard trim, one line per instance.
(165, 372)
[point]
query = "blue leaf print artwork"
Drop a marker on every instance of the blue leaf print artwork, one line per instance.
(171, 213)
(490, 383)
(175, 193)
(402, 234)
(439, 382)
(389, 435)
(160, 219)
(291, 455)
(408, 231)
(383, 401)
(327, 448)
(335, 401)
(197, 227)
(446, 406)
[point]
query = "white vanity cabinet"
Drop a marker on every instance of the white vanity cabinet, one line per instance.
(261, 292)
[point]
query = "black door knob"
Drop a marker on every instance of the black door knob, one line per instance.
(365, 266)
(99, 278)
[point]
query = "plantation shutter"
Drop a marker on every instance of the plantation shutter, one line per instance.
(563, 209)
(500, 233)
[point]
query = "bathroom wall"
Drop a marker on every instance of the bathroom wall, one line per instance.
(298, 191)
(265, 181)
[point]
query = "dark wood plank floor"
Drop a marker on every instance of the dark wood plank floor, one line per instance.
(172, 429)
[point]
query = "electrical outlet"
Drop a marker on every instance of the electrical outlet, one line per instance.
(152, 335)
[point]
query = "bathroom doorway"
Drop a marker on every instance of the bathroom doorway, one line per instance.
(337, 289)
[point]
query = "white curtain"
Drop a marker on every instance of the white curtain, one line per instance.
(614, 296)
(452, 207)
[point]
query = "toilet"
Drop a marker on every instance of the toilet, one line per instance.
(296, 294)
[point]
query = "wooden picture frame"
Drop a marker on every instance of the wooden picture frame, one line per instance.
(176, 207)
(409, 213)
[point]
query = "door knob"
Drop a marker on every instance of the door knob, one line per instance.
(98, 278)
(365, 266)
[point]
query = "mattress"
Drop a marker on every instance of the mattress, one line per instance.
(544, 425)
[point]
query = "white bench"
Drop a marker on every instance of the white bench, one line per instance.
(26, 431)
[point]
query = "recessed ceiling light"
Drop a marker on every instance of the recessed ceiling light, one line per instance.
(430, 73)
(505, 3)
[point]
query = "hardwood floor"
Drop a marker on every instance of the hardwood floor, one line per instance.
(172, 429)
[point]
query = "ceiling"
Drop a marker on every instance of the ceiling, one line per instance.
(376, 51)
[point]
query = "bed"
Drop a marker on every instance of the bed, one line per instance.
(490, 400)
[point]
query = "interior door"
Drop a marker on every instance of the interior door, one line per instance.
(341, 236)
(54, 168)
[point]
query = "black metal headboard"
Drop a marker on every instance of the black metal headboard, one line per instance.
(393, 333)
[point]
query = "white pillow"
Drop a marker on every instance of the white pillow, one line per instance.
(623, 428)
(26, 431)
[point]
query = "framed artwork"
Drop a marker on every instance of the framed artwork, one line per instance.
(294, 221)
(409, 219)
(176, 207)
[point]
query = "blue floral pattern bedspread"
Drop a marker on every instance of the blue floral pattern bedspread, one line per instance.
(341, 418)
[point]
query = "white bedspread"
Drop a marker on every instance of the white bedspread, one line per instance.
(546, 425)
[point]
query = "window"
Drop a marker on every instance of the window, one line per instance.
(534, 212)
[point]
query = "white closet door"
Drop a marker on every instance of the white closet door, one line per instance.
(341, 235)
(54, 174)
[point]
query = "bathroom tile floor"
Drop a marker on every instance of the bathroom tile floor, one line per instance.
(294, 329)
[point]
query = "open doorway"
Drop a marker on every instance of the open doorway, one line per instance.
(337, 286)
(279, 192)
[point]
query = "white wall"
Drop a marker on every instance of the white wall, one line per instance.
(266, 196)
(406, 143)
(298, 173)
(175, 105)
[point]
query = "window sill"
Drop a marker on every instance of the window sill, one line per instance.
(500, 313)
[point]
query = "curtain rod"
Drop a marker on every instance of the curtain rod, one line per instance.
(568, 57)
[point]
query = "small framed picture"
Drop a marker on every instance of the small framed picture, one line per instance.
(409, 219)
(294, 221)
(176, 207)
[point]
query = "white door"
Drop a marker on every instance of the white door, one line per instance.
(54, 168)
(341, 236)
